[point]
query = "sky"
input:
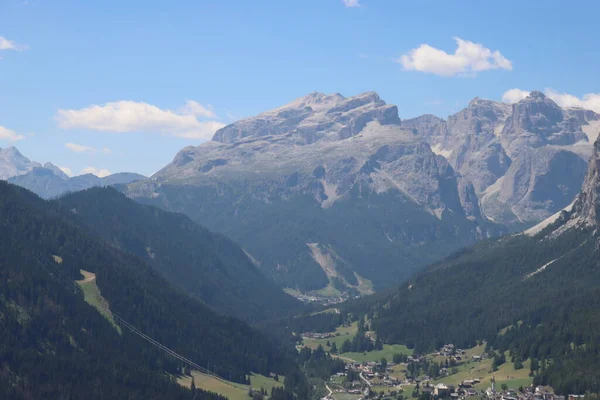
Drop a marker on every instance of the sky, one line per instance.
(123, 85)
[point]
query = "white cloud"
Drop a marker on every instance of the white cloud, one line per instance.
(8, 134)
(6, 44)
(101, 173)
(79, 148)
(512, 96)
(66, 170)
(468, 58)
(130, 116)
(589, 101)
(351, 3)
(196, 109)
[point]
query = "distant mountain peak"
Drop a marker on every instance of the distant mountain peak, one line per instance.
(536, 94)
(13, 163)
(57, 171)
(477, 101)
(536, 114)
(12, 149)
(314, 117)
(319, 97)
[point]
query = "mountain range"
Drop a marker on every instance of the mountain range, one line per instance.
(49, 181)
(337, 192)
(334, 194)
(326, 194)
(526, 161)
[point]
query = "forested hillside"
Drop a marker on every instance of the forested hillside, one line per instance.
(544, 289)
(208, 266)
(54, 344)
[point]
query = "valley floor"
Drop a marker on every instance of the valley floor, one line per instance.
(471, 366)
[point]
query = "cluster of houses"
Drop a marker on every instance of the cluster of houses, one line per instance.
(528, 393)
(315, 335)
(373, 375)
(314, 297)
(458, 355)
(441, 390)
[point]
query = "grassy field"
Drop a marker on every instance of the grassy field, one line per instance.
(332, 310)
(483, 370)
(397, 372)
(233, 391)
(293, 292)
(342, 332)
(474, 351)
(387, 352)
(329, 291)
(261, 381)
(348, 332)
(92, 295)
(364, 287)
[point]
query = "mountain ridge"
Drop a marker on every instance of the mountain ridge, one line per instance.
(48, 180)
(308, 168)
(526, 160)
(55, 339)
(205, 265)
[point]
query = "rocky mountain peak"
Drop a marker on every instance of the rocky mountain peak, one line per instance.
(536, 114)
(587, 205)
(480, 117)
(536, 94)
(12, 152)
(486, 109)
(13, 163)
(314, 100)
(55, 170)
(478, 102)
(312, 118)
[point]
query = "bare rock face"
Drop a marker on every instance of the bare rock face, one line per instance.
(13, 163)
(319, 142)
(537, 121)
(526, 161)
(385, 196)
(314, 117)
(587, 205)
(334, 172)
(539, 183)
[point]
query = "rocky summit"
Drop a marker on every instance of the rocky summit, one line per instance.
(13, 163)
(526, 161)
(326, 191)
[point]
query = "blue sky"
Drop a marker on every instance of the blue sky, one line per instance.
(123, 85)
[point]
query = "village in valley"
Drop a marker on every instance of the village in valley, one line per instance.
(395, 372)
